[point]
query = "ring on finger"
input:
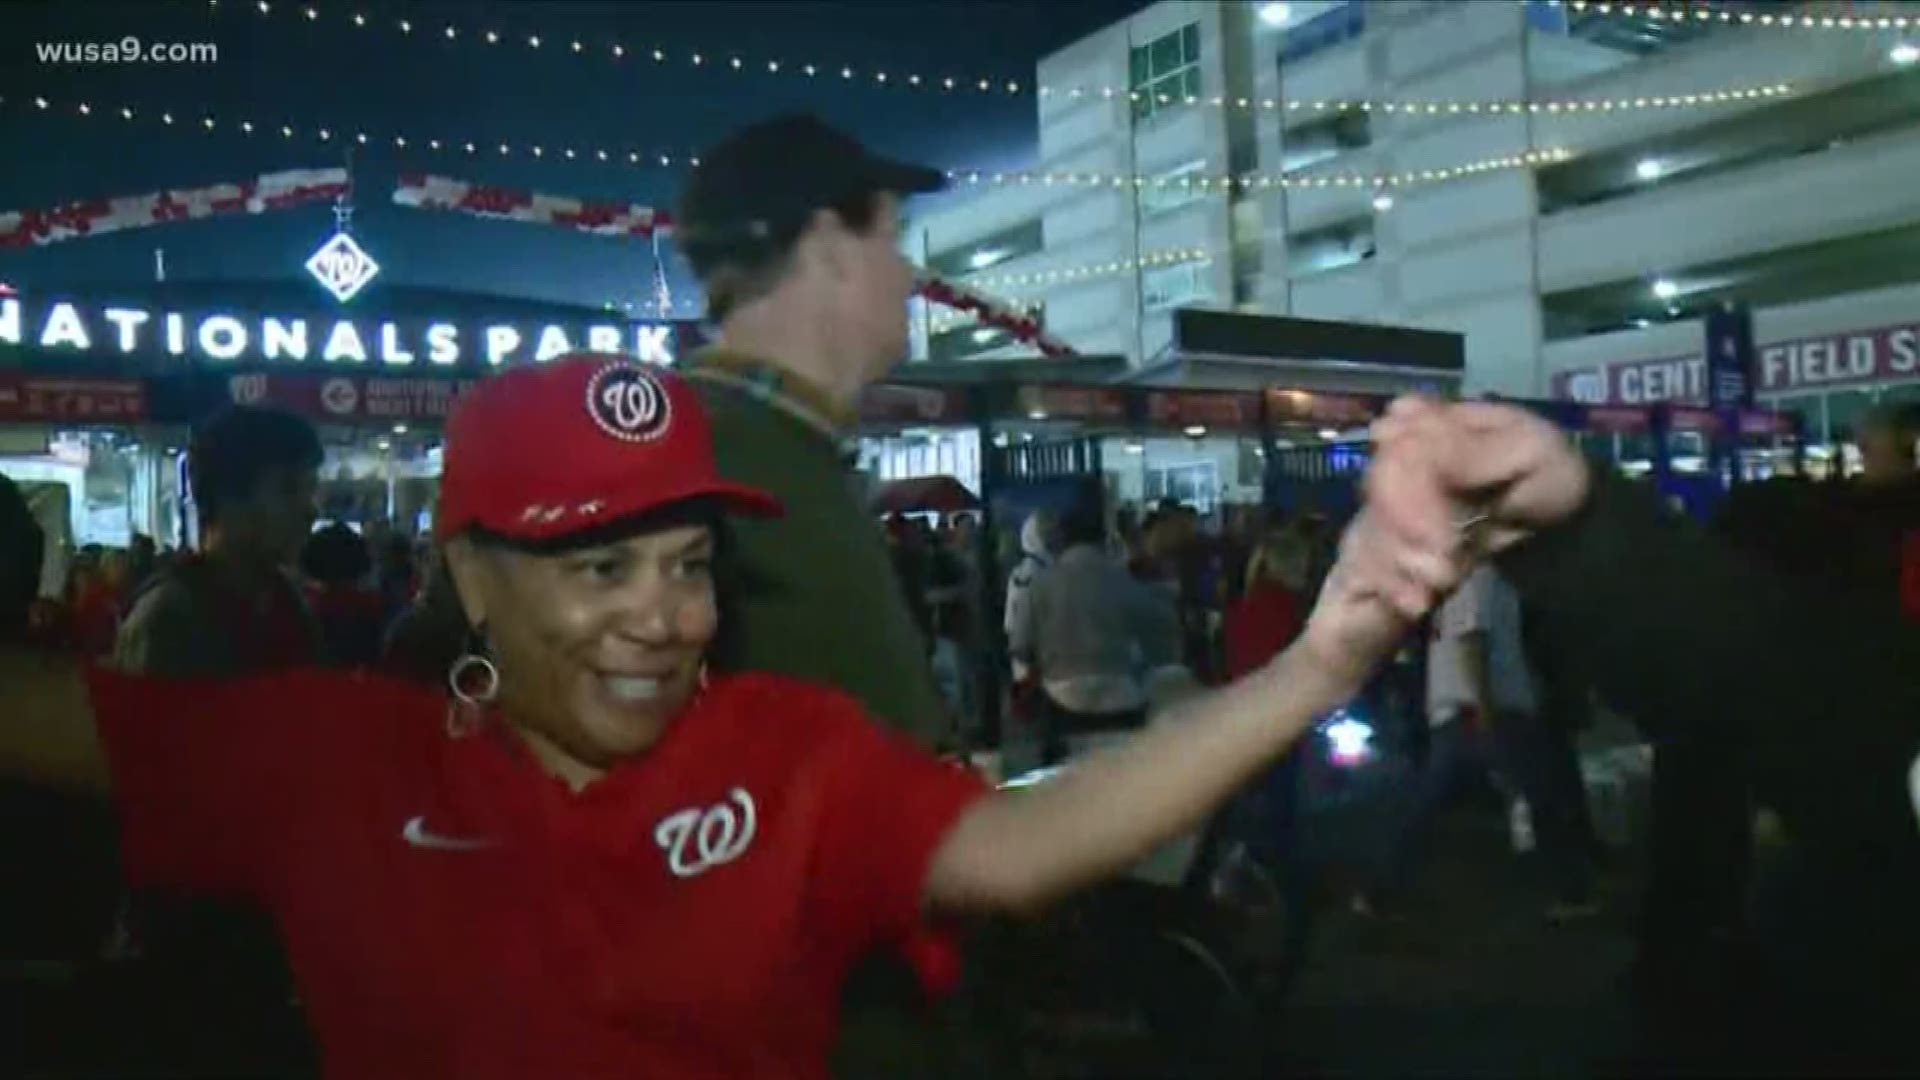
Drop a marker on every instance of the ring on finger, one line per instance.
(1466, 525)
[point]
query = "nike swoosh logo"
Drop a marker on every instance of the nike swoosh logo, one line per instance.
(416, 834)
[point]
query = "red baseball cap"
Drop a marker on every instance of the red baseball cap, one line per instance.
(585, 440)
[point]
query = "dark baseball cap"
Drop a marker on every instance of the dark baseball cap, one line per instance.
(768, 179)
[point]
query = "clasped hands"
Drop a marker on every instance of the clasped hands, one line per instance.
(1450, 484)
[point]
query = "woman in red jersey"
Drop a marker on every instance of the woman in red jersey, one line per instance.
(1273, 611)
(593, 857)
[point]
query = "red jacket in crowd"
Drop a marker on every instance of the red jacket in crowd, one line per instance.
(1264, 622)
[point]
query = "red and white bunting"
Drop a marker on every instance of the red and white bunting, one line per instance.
(93, 217)
(990, 312)
(423, 192)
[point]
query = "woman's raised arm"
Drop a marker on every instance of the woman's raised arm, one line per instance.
(47, 733)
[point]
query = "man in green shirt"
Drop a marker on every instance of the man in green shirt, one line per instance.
(793, 229)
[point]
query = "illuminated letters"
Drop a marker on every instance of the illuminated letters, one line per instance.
(443, 344)
(604, 339)
(223, 338)
(390, 350)
(127, 321)
(64, 328)
(652, 346)
(344, 344)
(226, 338)
(553, 342)
(501, 340)
(288, 338)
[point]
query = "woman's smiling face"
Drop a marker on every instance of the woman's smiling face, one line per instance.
(598, 647)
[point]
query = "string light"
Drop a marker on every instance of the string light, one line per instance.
(1062, 275)
(693, 307)
(617, 50)
(510, 149)
(1703, 13)
(1263, 181)
(397, 140)
(1421, 109)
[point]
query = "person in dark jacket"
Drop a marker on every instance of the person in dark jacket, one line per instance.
(1697, 640)
(232, 608)
(1693, 915)
(1881, 532)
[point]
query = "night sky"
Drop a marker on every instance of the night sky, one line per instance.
(283, 69)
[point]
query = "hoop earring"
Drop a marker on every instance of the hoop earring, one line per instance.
(466, 668)
(474, 682)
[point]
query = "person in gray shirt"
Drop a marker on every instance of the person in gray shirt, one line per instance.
(1094, 636)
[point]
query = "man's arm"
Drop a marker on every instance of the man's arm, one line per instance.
(1671, 618)
(1679, 630)
(1687, 635)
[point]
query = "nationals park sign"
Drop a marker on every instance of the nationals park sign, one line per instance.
(410, 344)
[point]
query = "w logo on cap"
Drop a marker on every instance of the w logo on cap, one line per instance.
(628, 403)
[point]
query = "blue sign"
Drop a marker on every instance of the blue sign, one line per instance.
(1730, 356)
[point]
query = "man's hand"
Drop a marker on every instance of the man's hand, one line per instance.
(1381, 586)
(1437, 466)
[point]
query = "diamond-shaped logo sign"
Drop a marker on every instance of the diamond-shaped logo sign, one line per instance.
(342, 267)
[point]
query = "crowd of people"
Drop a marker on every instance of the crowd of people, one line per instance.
(1193, 574)
(1100, 614)
(333, 594)
(1099, 608)
(646, 784)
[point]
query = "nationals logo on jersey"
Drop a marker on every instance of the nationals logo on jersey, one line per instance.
(698, 840)
(628, 403)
